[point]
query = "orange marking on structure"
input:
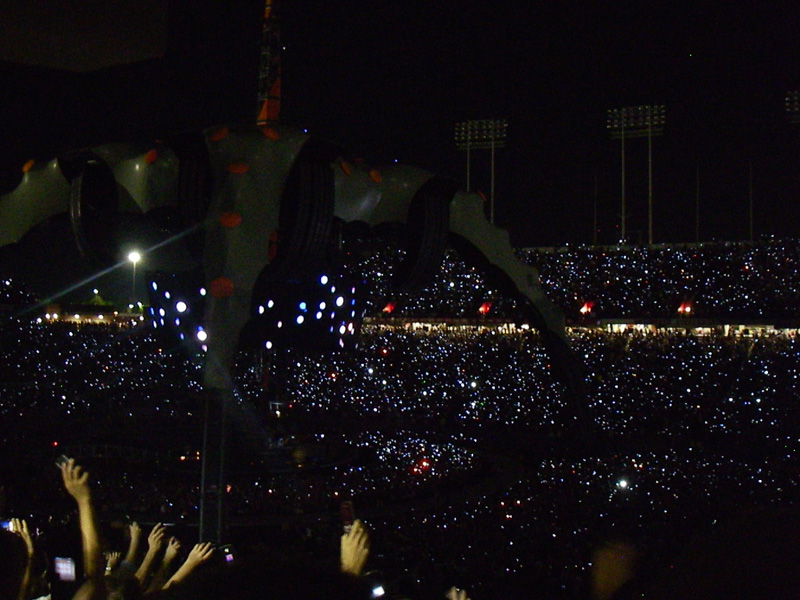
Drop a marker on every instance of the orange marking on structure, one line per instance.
(270, 133)
(230, 219)
(238, 168)
(375, 175)
(345, 167)
(219, 134)
(151, 156)
(28, 165)
(221, 287)
(272, 249)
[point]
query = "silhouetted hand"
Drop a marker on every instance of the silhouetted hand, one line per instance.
(156, 538)
(612, 567)
(455, 593)
(173, 547)
(354, 549)
(135, 531)
(20, 527)
(76, 481)
(112, 560)
(200, 554)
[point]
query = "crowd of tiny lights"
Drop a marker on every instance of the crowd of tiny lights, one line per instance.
(720, 280)
(455, 440)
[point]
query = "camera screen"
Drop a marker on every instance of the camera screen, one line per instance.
(65, 568)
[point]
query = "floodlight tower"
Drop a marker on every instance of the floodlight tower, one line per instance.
(637, 121)
(793, 106)
(482, 135)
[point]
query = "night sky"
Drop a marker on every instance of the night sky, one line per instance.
(388, 80)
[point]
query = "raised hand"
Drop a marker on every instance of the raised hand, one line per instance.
(133, 546)
(155, 542)
(76, 481)
(200, 554)
(173, 547)
(112, 560)
(613, 565)
(135, 531)
(156, 538)
(20, 527)
(455, 593)
(354, 549)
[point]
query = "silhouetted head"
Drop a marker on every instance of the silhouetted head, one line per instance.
(13, 560)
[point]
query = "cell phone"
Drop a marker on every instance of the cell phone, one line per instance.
(227, 553)
(61, 461)
(64, 568)
(348, 515)
(6, 525)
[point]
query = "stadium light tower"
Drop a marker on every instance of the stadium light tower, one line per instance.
(793, 106)
(481, 135)
(637, 121)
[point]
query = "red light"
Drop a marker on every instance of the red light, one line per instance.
(587, 308)
(54, 444)
(389, 307)
(485, 307)
(384, 351)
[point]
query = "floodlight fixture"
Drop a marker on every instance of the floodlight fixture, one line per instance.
(484, 134)
(645, 120)
(793, 106)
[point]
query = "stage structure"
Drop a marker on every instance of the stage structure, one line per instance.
(240, 213)
(239, 228)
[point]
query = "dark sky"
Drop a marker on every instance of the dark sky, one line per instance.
(390, 79)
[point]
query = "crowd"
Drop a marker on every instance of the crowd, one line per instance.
(104, 572)
(453, 444)
(721, 281)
